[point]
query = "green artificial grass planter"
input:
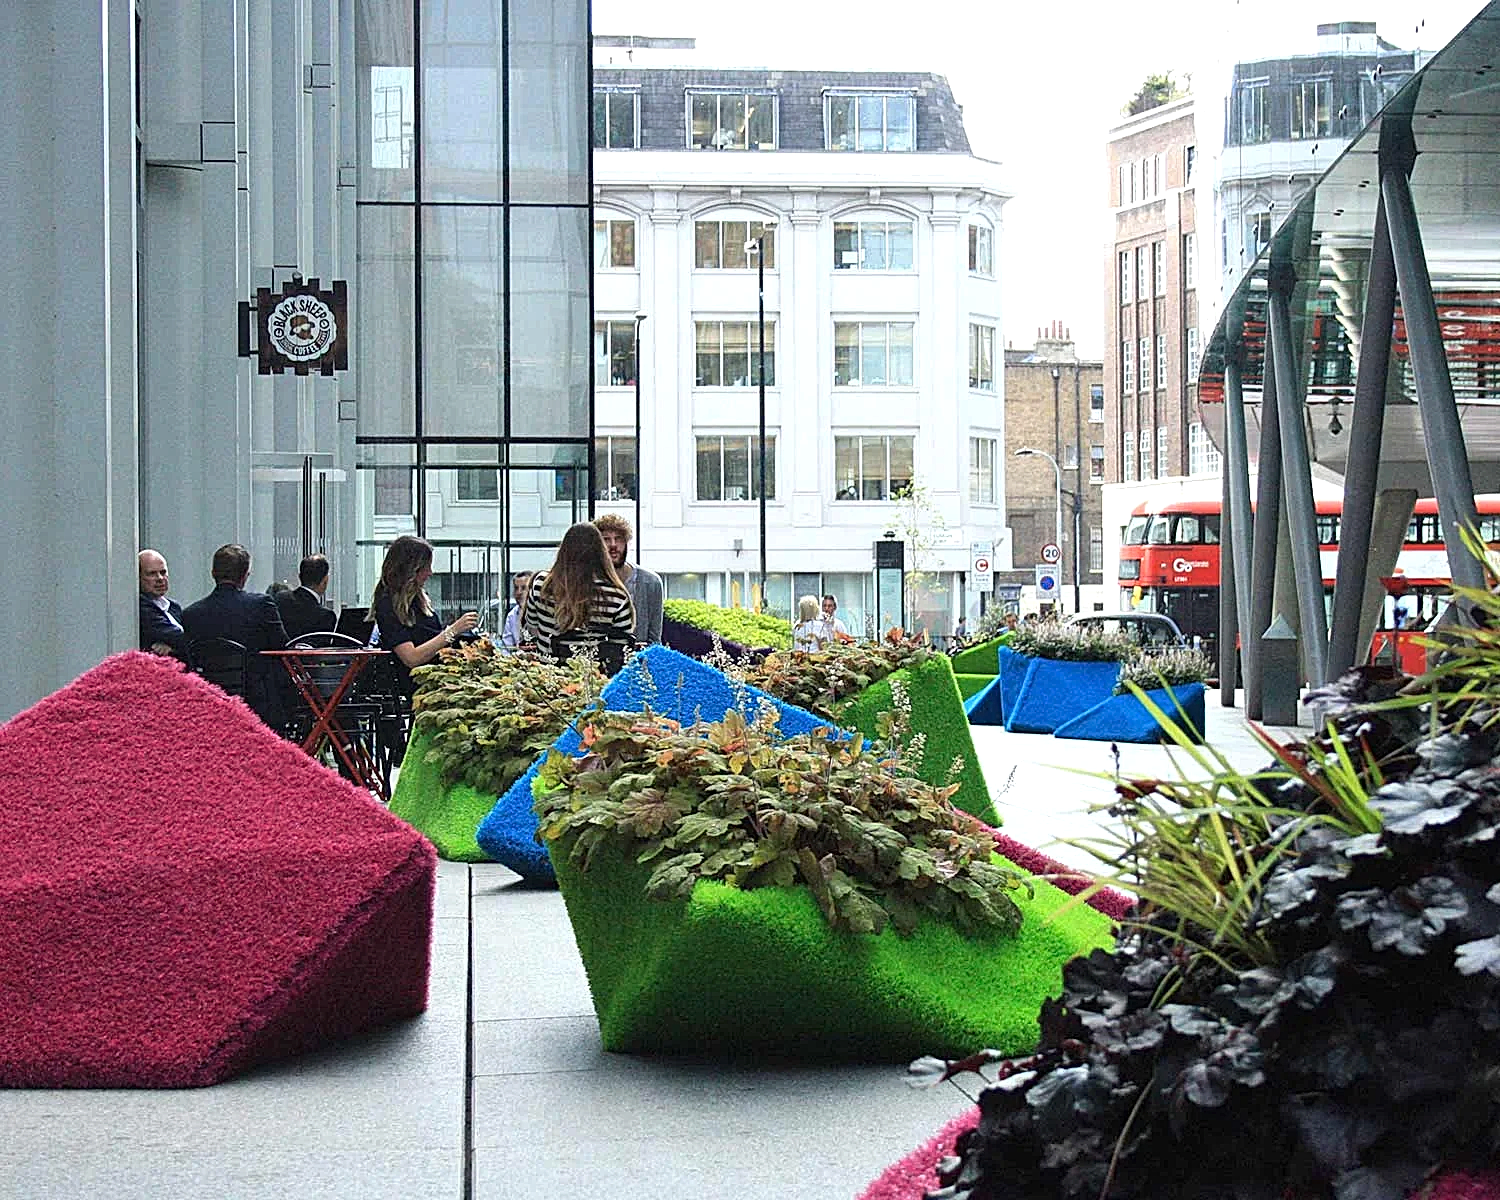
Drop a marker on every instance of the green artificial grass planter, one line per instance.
(971, 685)
(983, 659)
(728, 971)
(734, 624)
(447, 815)
(937, 710)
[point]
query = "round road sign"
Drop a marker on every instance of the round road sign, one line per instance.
(982, 566)
(1051, 553)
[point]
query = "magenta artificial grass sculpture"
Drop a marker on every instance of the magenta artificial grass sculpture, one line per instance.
(184, 894)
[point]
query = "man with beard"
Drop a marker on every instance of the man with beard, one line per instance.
(644, 586)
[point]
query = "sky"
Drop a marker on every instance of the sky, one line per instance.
(1040, 84)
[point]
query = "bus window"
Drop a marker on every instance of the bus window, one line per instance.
(1160, 533)
(1189, 531)
(1135, 532)
(1328, 529)
(1211, 529)
(1489, 527)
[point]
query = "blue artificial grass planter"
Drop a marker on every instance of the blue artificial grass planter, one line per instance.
(1012, 675)
(984, 706)
(673, 685)
(1055, 691)
(1125, 719)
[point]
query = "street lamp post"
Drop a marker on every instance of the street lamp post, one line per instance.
(757, 247)
(639, 472)
(1027, 452)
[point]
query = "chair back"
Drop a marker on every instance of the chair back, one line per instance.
(609, 647)
(326, 676)
(223, 662)
(325, 640)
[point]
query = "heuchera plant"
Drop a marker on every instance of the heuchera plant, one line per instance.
(1315, 1015)
(489, 713)
(730, 801)
(819, 680)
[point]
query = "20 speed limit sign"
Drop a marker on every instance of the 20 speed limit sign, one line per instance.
(1051, 553)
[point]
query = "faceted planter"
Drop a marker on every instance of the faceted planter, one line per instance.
(1123, 718)
(938, 711)
(984, 707)
(983, 659)
(729, 971)
(972, 685)
(672, 685)
(1013, 668)
(446, 814)
(1055, 691)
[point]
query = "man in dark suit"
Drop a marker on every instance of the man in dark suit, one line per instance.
(302, 608)
(249, 618)
(161, 618)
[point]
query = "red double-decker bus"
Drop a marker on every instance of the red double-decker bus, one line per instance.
(1169, 563)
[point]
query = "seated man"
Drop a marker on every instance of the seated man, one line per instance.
(249, 618)
(161, 618)
(301, 608)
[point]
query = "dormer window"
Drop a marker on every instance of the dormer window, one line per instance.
(739, 120)
(871, 121)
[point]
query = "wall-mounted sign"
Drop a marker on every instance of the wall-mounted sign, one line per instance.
(302, 329)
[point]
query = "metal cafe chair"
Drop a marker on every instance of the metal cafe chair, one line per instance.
(222, 662)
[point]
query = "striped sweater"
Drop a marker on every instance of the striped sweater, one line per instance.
(611, 613)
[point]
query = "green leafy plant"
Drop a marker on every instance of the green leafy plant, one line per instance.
(1073, 643)
(488, 714)
(1172, 667)
(733, 624)
(819, 680)
(730, 801)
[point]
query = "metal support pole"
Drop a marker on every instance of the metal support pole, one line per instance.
(1235, 539)
(639, 456)
(760, 257)
(1267, 519)
(1228, 599)
(1302, 516)
(1362, 464)
(1447, 455)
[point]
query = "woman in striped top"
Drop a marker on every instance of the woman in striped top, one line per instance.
(580, 598)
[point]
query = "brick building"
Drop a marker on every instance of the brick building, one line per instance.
(1054, 402)
(1153, 339)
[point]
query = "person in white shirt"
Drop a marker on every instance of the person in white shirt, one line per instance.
(809, 632)
(833, 628)
(511, 634)
(161, 618)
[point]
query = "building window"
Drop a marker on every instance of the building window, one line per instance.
(1163, 453)
(1096, 548)
(1190, 260)
(1127, 366)
(614, 244)
(1159, 267)
(1135, 181)
(1158, 179)
(476, 483)
(1145, 449)
(873, 245)
(872, 466)
(729, 467)
(1096, 403)
(1255, 112)
(393, 491)
(1161, 360)
(1194, 352)
(722, 245)
(614, 353)
(728, 353)
(1203, 455)
(982, 357)
(1257, 233)
(1124, 276)
(1145, 179)
(983, 451)
(614, 468)
(873, 354)
(1128, 457)
(1142, 272)
(1070, 457)
(1189, 161)
(731, 120)
(1145, 364)
(982, 251)
(1096, 463)
(871, 121)
(1311, 109)
(1124, 186)
(616, 119)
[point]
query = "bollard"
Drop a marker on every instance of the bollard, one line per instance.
(1281, 674)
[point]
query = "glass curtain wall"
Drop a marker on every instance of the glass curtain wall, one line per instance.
(472, 331)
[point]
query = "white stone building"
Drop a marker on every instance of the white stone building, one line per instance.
(882, 330)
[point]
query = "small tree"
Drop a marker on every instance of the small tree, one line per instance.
(1154, 92)
(920, 524)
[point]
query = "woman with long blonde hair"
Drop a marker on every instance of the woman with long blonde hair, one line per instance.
(409, 628)
(580, 599)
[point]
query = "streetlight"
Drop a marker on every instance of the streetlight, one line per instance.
(639, 473)
(1027, 452)
(757, 247)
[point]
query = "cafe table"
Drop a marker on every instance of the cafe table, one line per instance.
(311, 673)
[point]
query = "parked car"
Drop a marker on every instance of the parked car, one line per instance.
(1148, 630)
